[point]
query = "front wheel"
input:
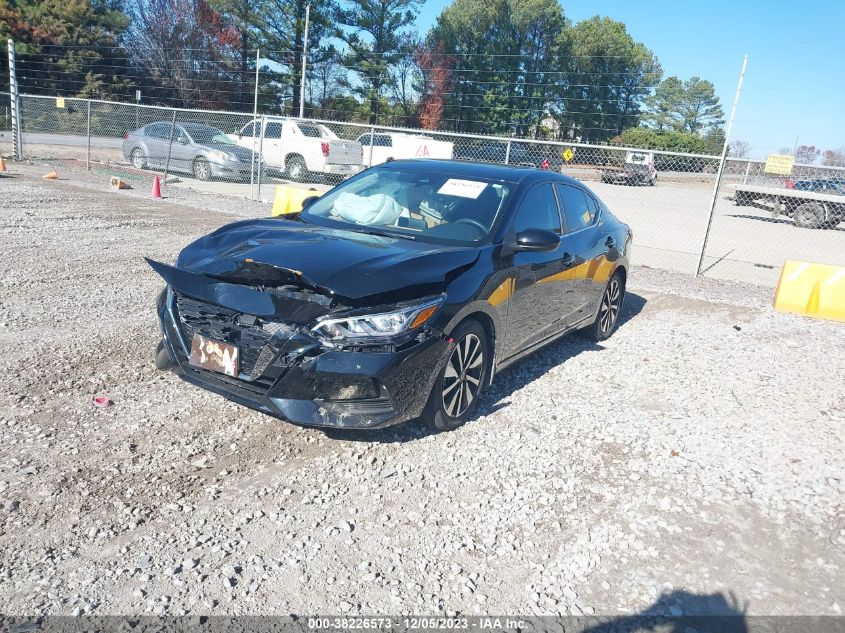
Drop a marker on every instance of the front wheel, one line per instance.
(460, 384)
(607, 319)
(295, 168)
(202, 170)
(138, 158)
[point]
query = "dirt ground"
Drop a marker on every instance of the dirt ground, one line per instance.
(691, 464)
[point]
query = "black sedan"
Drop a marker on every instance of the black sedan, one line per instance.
(398, 294)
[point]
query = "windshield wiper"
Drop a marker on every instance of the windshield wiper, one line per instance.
(404, 236)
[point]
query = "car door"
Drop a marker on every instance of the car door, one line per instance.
(541, 299)
(584, 239)
(272, 147)
(182, 151)
(156, 137)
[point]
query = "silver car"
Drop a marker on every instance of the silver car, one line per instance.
(197, 149)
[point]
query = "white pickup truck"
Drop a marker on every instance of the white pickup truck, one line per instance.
(393, 145)
(298, 148)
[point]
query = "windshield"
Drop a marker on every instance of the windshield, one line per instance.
(425, 206)
(210, 135)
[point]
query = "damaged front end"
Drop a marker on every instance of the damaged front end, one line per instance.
(304, 354)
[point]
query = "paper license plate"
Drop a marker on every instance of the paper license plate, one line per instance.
(214, 355)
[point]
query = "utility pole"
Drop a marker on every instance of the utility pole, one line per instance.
(304, 62)
(13, 97)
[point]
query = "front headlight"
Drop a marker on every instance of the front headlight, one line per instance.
(381, 325)
(220, 155)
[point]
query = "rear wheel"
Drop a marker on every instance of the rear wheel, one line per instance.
(202, 170)
(810, 215)
(460, 384)
(607, 320)
(295, 168)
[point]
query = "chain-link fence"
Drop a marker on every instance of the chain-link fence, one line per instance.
(666, 197)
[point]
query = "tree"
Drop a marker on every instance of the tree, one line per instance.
(510, 57)
(183, 53)
(67, 47)
(373, 30)
(610, 77)
(688, 106)
(714, 140)
(242, 18)
(699, 107)
(281, 36)
(834, 158)
(739, 149)
(806, 154)
(435, 74)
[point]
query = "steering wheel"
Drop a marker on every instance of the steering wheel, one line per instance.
(474, 223)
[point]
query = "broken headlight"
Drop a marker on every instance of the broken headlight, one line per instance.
(380, 325)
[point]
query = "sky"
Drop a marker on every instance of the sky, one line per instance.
(795, 80)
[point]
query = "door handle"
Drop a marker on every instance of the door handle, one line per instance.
(610, 242)
(567, 260)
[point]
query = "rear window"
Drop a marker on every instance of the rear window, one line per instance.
(311, 131)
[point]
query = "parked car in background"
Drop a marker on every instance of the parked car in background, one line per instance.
(196, 149)
(398, 294)
(497, 152)
(387, 146)
(299, 148)
(638, 170)
(819, 185)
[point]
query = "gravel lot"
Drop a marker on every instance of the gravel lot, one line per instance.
(694, 460)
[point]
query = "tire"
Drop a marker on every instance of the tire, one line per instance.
(607, 319)
(455, 394)
(138, 158)
(295, 168)
(201, 169)
(809, 215)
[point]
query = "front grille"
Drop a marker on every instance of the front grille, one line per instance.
(248, 333)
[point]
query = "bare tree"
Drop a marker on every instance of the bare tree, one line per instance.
(739, 149)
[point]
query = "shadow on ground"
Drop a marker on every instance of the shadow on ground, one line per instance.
(506, 383)
(778, 221)
(679, 612)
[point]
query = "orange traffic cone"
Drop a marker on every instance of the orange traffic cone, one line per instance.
(3, 164)
(156, 192)
(52, 175)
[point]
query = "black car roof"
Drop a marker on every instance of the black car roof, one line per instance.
(475, 169)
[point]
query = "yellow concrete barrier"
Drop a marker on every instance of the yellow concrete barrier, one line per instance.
(816, 290)
(289, 199)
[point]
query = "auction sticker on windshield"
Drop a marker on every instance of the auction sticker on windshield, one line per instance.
(462, 188)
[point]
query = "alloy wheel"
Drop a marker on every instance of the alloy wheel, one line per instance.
(462, 378)
(202, 170)
(610, 303)
(139, 161)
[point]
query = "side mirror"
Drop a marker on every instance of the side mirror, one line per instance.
(307, 202)
(532, 241)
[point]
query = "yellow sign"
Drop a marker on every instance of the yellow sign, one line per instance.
(780, 164)
(60, 102)
(568, 154)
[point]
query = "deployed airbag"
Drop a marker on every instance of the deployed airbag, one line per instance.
(377, 210)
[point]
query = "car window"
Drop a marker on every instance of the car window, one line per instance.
(248, 130)
(538, 210)
(208, 135)
(158, 130)
(273, 130)
(383, 140)
(440, 207)
(311, 131)
(577, 213)
(365, 139)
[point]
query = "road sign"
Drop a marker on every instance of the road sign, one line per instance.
(568, 154)
(780, 164)
(60, 102)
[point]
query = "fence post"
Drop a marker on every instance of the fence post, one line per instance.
(169, 147)
(508, 153)
(747, 170)
(14, 102)
(372, 138)
(88, 138)
(260, 153)
(721, 169)
(254, 123)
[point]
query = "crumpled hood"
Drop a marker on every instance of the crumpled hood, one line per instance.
(349, 264)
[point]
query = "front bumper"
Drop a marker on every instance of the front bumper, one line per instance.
(311, 385)
(235, 169)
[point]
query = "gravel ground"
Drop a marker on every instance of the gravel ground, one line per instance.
(694, 461)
